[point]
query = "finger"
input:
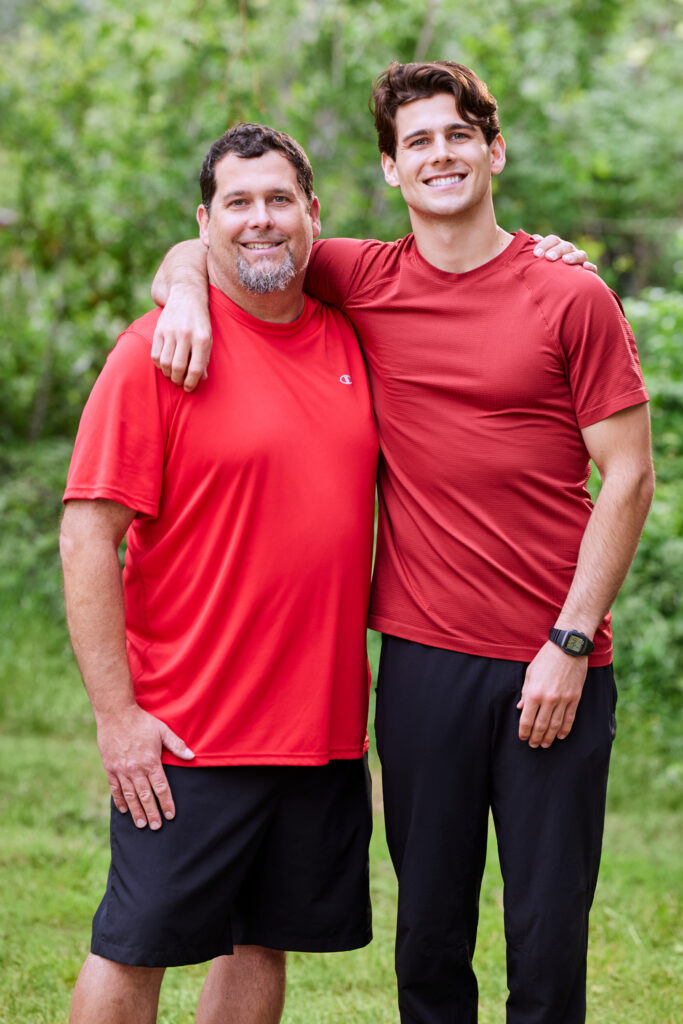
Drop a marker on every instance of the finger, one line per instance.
(162, 792)
(546, 243)
(567, 720)
(157, 345)
(527, 718)
(563, 248)
(195, 371)
(117, 793)
(537, 238)
(175, 744)
(165, 361)
(540, 728)
(590, 266)
(145, 793)
(181, 357)
(554, 724)
(574, 256)
(134, 806)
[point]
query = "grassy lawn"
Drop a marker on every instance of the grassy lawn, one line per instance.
(53, 805)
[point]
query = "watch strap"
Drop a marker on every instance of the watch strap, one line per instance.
(567, 640)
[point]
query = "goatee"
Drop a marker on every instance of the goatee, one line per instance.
(262, 277)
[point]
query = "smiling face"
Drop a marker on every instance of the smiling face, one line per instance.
(443, 165)
(261, 227)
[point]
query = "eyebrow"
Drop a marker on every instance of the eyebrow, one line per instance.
(238, 193)
(430, 131)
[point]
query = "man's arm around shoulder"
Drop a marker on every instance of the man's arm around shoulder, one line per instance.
(182, 340)
(130, 740)
(621, 449)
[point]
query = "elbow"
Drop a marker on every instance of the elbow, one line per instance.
(68, 544)
(643, 487)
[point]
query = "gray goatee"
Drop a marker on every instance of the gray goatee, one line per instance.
(263, 277)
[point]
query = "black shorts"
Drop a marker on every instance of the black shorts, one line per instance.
(266, 855)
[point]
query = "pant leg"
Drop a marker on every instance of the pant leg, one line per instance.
(548, 808)
(432, 727)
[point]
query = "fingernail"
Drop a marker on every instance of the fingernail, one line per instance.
(168, 815)
(551, 255)
(140, 822)
(155, 825)
(538, 251)
(122, 808)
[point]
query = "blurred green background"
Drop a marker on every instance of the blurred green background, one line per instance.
(106, 112)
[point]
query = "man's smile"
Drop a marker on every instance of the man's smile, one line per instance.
(444, 179)
(262, 246)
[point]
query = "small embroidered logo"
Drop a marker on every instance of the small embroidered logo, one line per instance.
(345, 379)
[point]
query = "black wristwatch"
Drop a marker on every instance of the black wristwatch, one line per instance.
(572, 642)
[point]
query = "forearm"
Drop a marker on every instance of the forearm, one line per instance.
(184, 265)
(607, 549)
(95, 615)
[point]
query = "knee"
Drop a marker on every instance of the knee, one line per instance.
(261, 955)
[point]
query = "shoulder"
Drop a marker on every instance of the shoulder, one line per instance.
(368, 253)
(137, 337)
(129, 371)
(562, 289)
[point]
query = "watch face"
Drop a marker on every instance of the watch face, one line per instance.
(574, 643)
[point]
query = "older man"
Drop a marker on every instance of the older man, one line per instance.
(228, 675)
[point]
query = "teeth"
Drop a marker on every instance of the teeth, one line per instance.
(452, 179)
(259, 245)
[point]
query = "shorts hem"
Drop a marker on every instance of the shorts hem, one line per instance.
(177, 958)
(299, 944)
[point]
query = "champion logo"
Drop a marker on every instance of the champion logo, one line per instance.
(345, 379)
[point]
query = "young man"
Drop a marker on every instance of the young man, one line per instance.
(241, 623)
(495, 379)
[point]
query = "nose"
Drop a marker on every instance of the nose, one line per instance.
(260, 215)
(440, 149)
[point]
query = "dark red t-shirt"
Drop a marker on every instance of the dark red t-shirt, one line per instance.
(481, 383)
(248, 568)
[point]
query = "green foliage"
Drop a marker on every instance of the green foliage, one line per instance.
(107, 110)
(649, 611)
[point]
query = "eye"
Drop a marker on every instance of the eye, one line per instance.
(418, 142)
(280, 200)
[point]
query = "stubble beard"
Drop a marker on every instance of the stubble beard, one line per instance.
(262, 277)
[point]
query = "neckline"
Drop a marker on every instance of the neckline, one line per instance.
(520, 238)
(273, 328)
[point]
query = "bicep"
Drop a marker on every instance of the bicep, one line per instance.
(621, 440)
(96, 521)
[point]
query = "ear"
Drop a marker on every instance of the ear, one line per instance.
(203, 221)
(497, 150)
(314, 214)
(389, 168)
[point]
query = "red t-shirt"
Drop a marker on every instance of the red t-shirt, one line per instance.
(247, 568)
(481, 382)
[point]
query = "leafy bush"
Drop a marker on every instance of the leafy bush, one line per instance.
(649, 611)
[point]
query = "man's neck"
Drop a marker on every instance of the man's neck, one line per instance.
(277, 307)
(459, 243)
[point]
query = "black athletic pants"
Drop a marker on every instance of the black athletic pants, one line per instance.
(446, 730)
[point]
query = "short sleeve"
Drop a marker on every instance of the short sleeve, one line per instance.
(598, 347)
(119, 450)
(332, 269)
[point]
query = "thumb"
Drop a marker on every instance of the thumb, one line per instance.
(175, 744)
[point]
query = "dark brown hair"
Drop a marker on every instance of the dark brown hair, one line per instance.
(403, 83)
(252, 140)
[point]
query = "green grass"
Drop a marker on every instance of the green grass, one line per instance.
(53, 862)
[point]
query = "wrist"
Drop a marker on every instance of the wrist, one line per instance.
(572, 641)
(193, 287)
(115, 711)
